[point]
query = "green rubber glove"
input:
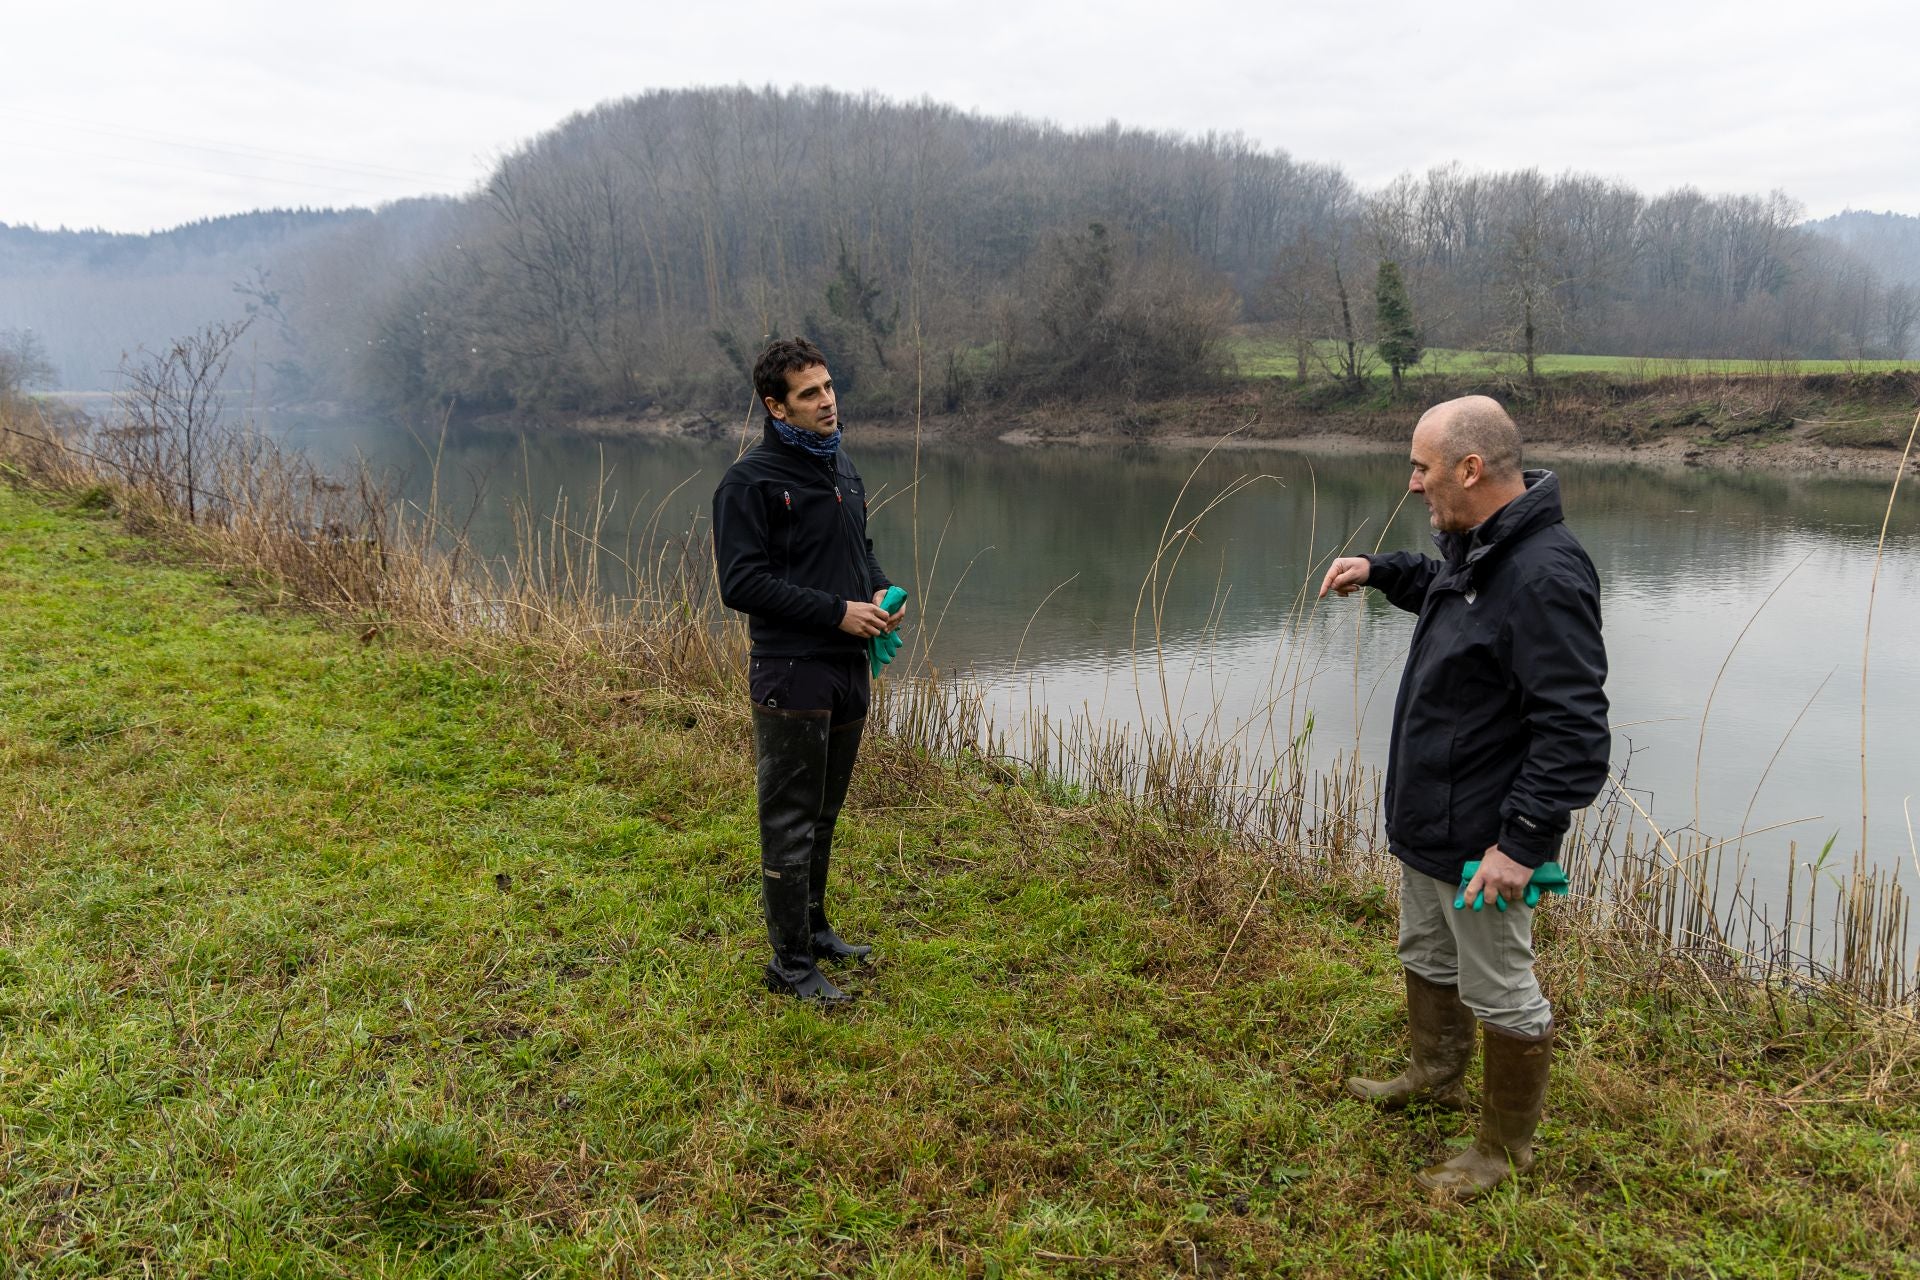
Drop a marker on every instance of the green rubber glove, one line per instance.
(1548, 877)
(882, 648)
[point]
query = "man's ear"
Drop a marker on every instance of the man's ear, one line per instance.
(774, 407)
(1472, 469)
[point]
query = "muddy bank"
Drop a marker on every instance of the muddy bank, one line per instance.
(1853, 424)
(1790, 451)
(1841, 423)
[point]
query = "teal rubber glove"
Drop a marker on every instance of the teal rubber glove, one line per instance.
(1548, 877)
(882, 648)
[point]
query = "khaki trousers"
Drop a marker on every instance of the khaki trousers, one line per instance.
(1488, 953)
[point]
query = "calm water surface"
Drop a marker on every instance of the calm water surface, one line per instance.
(1028, 568)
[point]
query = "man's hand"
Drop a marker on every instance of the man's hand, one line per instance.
(893, 619)
(865, 620)
(1500, 878)
(1345, 576)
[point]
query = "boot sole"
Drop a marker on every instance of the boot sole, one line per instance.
(1460, 1186)
(781, 987)
(1401, 1102)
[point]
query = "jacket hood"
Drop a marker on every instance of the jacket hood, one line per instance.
(1532, 511)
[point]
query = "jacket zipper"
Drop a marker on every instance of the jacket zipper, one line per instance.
(787, 496)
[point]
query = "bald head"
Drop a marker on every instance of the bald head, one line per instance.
(1466, 462)
(1476, 426)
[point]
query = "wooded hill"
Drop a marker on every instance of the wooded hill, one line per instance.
(639, 252)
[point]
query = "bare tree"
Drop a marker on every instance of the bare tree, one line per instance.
(170, 402)
(1351, 360)
(1530, 277)
(1902, 319)
(1296, 296)
(23, 362)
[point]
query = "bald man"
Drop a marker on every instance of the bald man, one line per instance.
(1499, 736)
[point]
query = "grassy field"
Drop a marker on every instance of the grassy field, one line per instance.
(1259, 355)
(325, 954)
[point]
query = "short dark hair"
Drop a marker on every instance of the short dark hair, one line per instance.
(783, 356)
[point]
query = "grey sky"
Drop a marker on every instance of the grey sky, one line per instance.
(133, 116)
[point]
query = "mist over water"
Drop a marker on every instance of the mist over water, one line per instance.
(1028, 568)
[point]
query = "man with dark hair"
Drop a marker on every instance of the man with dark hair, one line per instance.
(790, 539)
(1499, 735)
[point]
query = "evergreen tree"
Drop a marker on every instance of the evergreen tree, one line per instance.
(1395, 335)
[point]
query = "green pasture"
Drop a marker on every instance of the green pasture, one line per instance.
(1259, 355)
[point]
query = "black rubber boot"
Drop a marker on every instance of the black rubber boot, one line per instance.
(1515, 1088)
(843, 745)
(790, 749)
(1441, 1030)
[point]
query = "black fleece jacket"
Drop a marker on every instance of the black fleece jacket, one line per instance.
(1500, 727)
(790, 539)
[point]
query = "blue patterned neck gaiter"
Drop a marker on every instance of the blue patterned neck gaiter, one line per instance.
(822, 447)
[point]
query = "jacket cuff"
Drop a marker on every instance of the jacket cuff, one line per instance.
(1527, 843)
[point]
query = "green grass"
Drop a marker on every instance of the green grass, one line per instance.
(1263, 356)
(330, 957)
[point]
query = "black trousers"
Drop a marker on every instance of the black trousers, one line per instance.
(808, 719)
(838, 685)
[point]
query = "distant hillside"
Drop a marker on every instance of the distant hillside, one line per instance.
(29, 251)
(1887, 242)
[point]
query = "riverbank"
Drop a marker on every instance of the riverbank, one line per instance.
(333, 947)
(1842, 423)
(1845, 423)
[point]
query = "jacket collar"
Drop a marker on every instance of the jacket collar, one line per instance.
(1532, 511)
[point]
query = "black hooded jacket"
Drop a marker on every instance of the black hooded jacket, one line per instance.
(790, 539)
(1500, 727)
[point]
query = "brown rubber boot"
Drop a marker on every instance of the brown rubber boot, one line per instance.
(1516, 1069)
(1441, 1029)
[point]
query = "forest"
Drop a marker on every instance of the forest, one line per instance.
(637, 253)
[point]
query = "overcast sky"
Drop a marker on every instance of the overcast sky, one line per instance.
(143, 115)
